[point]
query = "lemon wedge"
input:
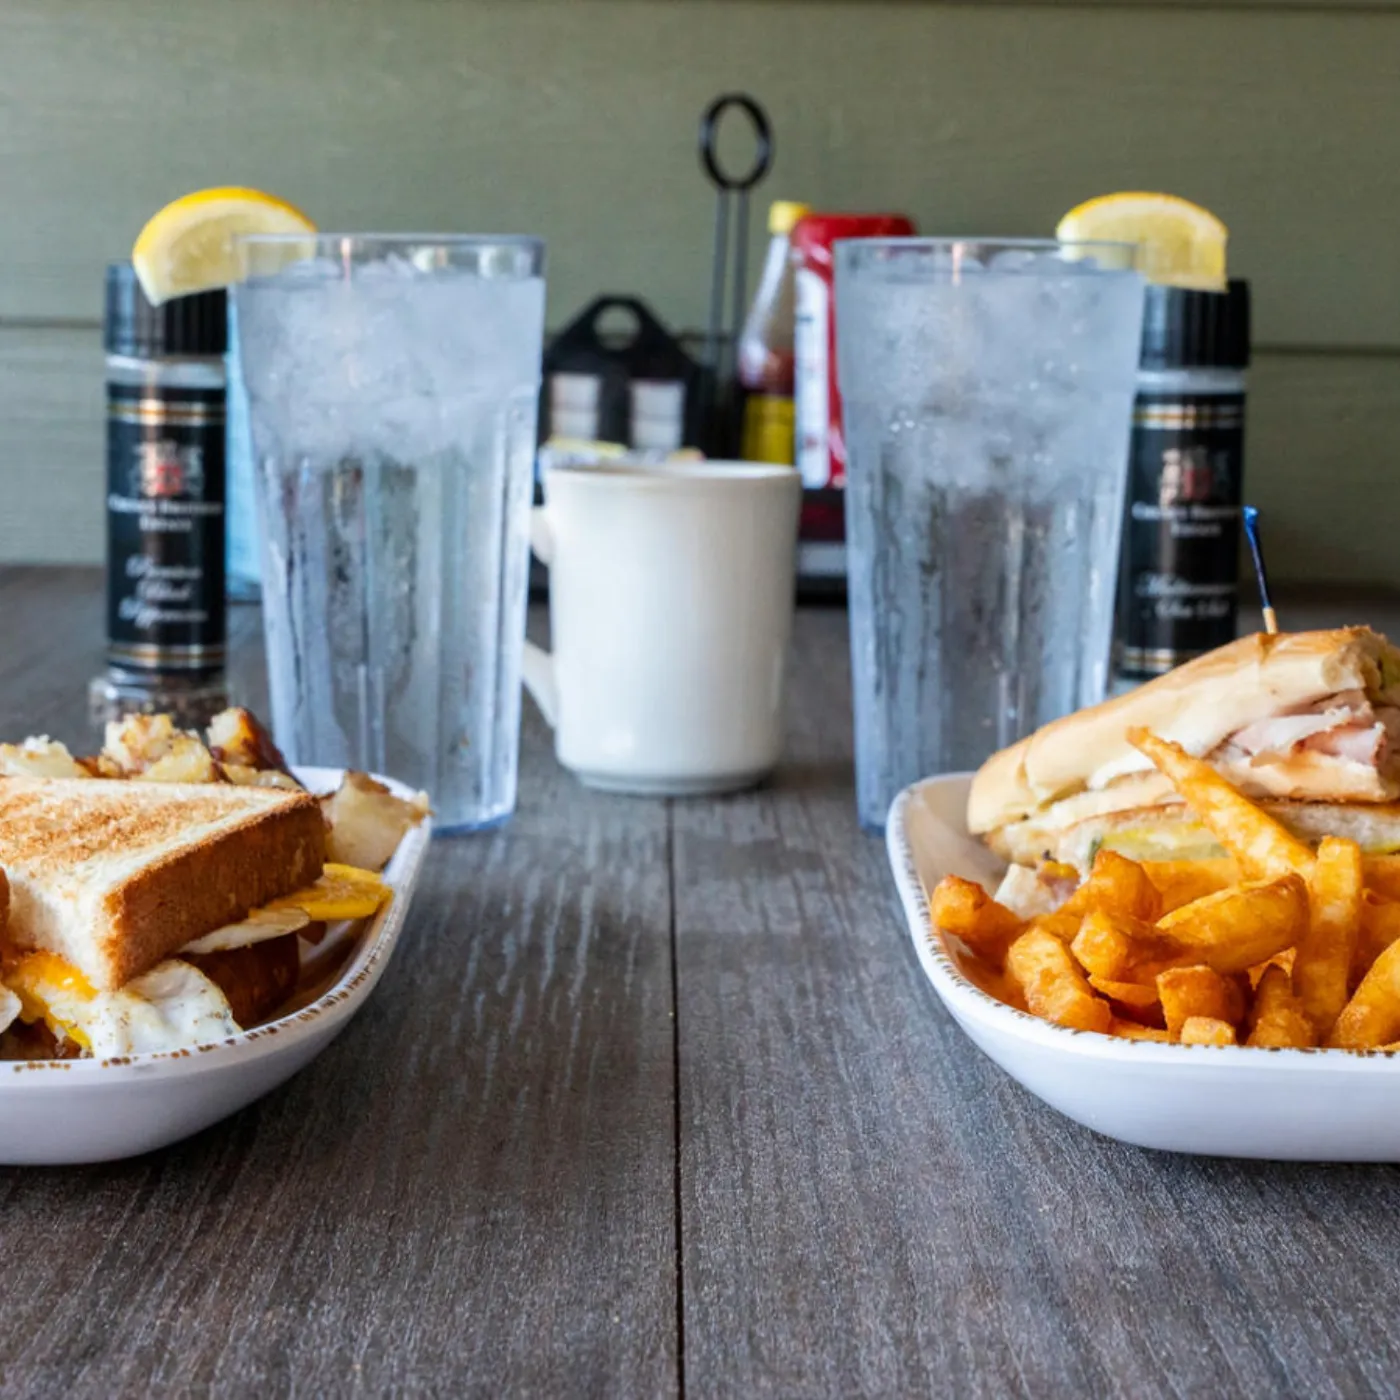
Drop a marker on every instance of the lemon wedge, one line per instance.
(188, 246)
(1182, 244)
(342, 892)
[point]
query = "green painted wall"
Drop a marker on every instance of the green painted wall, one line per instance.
(576, 119)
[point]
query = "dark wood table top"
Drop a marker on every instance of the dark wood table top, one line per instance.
(655, 1099)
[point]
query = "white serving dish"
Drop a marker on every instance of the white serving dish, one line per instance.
(59, 1112)
(1291, 1105)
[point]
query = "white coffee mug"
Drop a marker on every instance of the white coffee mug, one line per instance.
(670, 602)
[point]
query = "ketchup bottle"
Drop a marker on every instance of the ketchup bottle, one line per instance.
(766, 363)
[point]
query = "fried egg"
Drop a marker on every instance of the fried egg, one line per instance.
(258, 927)
(171, 1006)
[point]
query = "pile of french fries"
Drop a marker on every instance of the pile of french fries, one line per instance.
(1275, 945)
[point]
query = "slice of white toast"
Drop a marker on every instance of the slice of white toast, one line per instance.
(114, 876)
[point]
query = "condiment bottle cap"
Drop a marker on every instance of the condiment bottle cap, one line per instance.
(1184, 329)
(783, 213)
(193, 325)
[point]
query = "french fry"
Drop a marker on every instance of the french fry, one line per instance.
(1061, 926)
(1277, 1020)
(963, 909)
(1383, 875)
(1372, 1017)
(1121, 950)
(1116, 885)
(1283, 960)
(1198, 993)
(1131, 1030)
(1053, 985)
(1140, 996)
(1205, 1030)
(1180, 882)
(1234, 929)
(1380, 927)
(1322, 969)
(1263, 848)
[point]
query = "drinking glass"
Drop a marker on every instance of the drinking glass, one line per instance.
(392, 385)
(987, 391)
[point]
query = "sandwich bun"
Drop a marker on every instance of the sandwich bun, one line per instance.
(1198, 705)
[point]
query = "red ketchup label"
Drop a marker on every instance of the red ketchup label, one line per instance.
(820, 445)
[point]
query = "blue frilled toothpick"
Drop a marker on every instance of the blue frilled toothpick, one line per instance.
(1251, 533)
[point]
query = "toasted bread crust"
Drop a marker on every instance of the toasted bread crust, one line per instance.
(212, 882)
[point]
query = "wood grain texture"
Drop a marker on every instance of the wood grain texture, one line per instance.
(470, 1193)
(577, 121)
(869, 1207)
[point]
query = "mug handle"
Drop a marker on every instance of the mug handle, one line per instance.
(536, 664)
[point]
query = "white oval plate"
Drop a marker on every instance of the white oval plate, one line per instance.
(1288, 1105)
(60, 1112)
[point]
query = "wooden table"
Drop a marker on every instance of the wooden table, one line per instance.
(655, 1099)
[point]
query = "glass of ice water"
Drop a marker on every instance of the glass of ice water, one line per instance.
(392, 385)
(987, 392)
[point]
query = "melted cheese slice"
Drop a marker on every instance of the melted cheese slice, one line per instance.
(342, 892)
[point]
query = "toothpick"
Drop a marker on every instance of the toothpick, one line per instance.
(1251, 533)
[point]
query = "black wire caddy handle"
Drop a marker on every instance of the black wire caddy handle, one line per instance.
(732, 188)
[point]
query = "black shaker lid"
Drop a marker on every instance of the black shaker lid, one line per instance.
(1188, 330)
(193, 325)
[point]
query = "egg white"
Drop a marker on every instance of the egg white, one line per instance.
(9, 1008)
(260, 926)
(172, 1006)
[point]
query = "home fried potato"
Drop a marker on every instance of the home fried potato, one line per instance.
(1372, 1017)
(1116, 885)
(1276, 1019)
(1181, 882)
(1234, 929)
(1263, 848)
(1053, 984)
(1205, 1030)
(1199, 993)
(367, 821)
(1322, 967)
(963, 909)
